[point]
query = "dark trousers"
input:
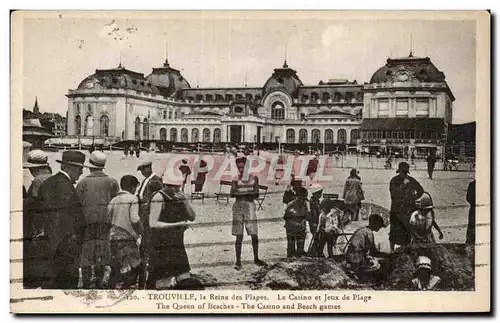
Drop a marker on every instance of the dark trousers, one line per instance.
(328, 239)
(295, 243)
(430, 170)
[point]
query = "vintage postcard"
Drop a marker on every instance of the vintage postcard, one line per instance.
(250, 162)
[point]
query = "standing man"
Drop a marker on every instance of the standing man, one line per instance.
(32, 226)
(95, 192)
(471, 225)
(64, 222)
(431, 162)
(405, 190)
(149, 185)
(185, 171)
(201, 176)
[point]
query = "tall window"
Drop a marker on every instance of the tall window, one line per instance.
(422, 110)
(89, 125)
(383, 108)
(206, 135)
(315, 136)
(303, 136)
(217, 135)
(163, 134)
(78, 108)
(314, 97)
(328, 136)
(290, 136)
(137, 132)
(326, 96)
(355, 136)
(173, 135)
(170, 114)
(195, 135)
(78, 125)
(184, 135)
(402, 108)
(278, 111)
(104, 126)
(164, 114)
(145, 129)
(341, 136)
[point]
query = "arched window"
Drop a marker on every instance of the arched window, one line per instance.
(89, 125)
(354, 136)
(290, 136)
(217, 135)
(336, 97)
(173, 135)
(137, 129)
(195, 135)
(163, 134)
(175, 115)
(206, 135)
(314, 97)
(184, 135)
(277, 111)
(145, 129)
(78, 108)
(326, 96)
(315, 136)
(170, 114)
(341, 136)
(104, 126)
(328, 136)
(303, 136)
(78, 125)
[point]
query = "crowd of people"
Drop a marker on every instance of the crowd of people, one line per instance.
(131, 232)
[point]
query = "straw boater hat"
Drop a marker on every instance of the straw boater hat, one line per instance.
(144, 164)
(424, 262)
(72, 157)
(315, 188)
(36, 158)
(97, 160)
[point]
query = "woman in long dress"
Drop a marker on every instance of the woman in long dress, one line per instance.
(246, 191)
(353, 194)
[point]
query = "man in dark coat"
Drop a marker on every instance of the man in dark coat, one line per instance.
(404, 191)
(151, 184)
(64, 222)
(471, 226)
(431, 163)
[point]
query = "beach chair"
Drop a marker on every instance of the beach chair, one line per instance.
(197, 195)
(262, 196)
(224, 191)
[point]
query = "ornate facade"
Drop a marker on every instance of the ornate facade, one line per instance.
(122, 105)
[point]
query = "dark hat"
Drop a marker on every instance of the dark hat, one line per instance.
(72, 157)
(403, 167)
(354, 172)
(241, 159)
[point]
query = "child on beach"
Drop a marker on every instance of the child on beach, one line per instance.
(328, 227)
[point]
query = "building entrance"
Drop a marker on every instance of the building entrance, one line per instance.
(235, 135)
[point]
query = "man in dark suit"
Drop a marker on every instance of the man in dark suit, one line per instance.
(64, 222)
(149, 185)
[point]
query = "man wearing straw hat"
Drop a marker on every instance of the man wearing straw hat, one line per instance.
(95, 192)
(32, 226)
(64, 221)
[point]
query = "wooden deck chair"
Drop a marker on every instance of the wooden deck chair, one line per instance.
(224, 191)
(197, 195)
(262, 196)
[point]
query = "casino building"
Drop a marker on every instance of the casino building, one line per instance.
(407, 99)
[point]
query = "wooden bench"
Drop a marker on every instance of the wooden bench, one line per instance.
(262, 196)
(224, 191)
(197, 195)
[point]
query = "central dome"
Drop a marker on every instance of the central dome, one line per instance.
(283, 79)
(168, 80)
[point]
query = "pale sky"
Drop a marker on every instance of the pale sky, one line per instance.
(60, 52)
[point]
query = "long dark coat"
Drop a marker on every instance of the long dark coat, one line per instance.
(64, 226)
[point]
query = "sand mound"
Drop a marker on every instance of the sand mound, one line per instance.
(303, 274)
(454, 263)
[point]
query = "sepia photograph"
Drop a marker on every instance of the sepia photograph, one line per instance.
(250, 161)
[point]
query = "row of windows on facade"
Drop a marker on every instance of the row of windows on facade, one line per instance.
(400, 134)
(88, 126)
(402, 108)
(314, 97)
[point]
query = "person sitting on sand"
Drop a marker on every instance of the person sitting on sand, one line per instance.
(361, 249)
(424, 280)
